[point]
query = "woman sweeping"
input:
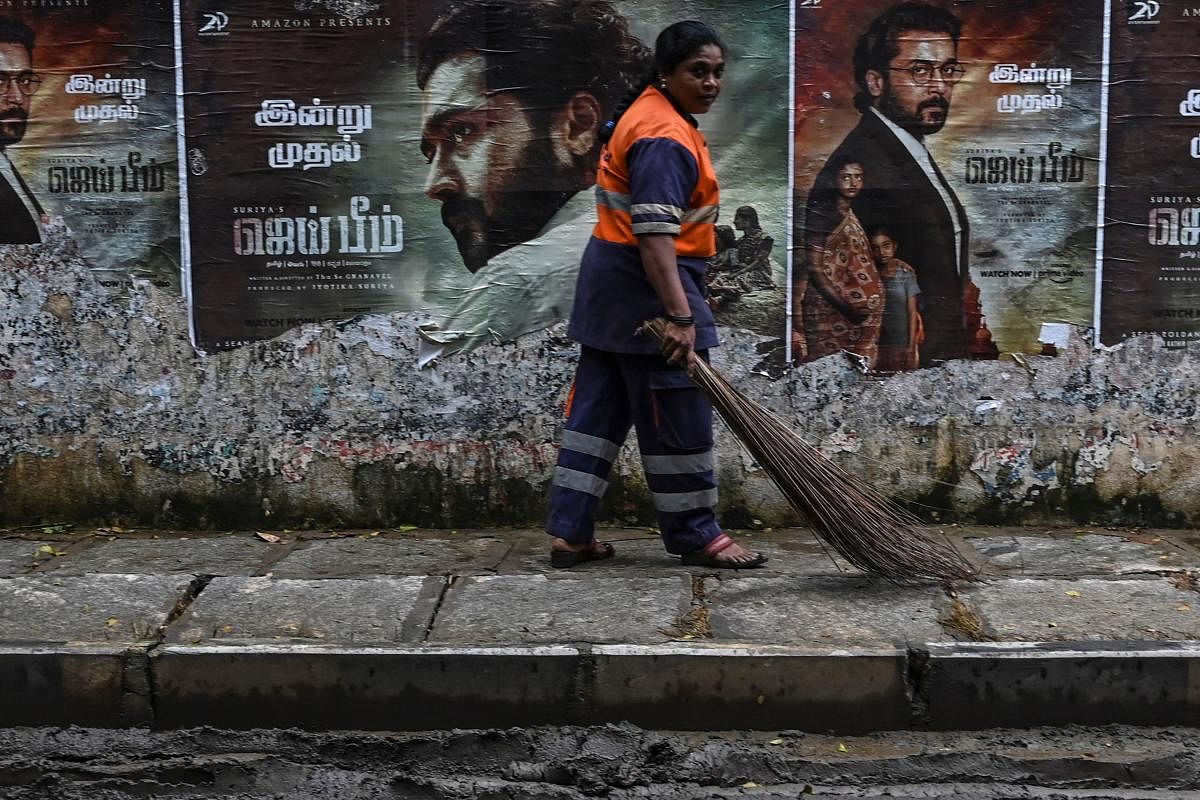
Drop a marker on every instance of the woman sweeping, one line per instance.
(657, 202)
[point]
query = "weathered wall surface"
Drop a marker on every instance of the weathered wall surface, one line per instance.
(107, 414)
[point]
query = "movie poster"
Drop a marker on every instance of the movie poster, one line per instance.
(347, 157)
(946, 174)
(1151, 279)
(87, 133)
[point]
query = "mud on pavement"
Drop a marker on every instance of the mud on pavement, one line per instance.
(614, 761)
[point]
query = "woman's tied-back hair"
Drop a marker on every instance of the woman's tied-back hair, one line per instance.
(677, 42)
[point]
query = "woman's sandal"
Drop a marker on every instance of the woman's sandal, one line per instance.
(707, 556)
(561, 559)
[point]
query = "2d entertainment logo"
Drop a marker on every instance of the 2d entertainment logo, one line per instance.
(213, 23)
(1144, 12)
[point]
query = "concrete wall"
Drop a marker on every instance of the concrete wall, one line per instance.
(107, 415)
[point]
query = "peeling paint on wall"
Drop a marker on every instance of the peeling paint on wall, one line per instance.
(1009, 473)
(1094, 455)
(106, 412)
(1145, 452)
(840, 441)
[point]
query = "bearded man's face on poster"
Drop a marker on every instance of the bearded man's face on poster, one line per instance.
(499, 170)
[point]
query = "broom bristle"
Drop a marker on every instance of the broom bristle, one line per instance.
(870, 531)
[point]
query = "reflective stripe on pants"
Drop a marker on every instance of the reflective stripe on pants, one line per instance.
(673, 420)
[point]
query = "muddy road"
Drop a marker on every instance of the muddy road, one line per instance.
(615, 761)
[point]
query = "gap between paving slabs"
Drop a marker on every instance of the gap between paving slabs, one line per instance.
(138, 674)
(696, 625)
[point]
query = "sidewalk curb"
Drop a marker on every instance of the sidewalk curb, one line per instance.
(372, 688)
(763, 688)
(64, 685)
(695, 687)
(653, 686)
(1024, 684)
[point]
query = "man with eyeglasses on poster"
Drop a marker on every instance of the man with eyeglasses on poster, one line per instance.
(21, 217)
(906, 67)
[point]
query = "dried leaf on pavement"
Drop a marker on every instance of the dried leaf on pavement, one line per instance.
(963, 619)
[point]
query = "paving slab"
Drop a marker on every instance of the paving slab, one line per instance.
(225, 555)
(803, 556)
(334, 611)
(1187, 538)
(87, 608)
(355, 557)
(17, 556)
(638, 555)
(834, 612)
(1085, 609)
(533, 609)
(1087, 554)
(643, 555)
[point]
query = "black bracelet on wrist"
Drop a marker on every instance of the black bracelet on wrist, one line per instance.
(678, 320)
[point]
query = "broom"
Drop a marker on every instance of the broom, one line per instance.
(867, 529)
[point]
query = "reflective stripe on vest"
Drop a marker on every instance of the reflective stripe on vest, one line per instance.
(619, 220)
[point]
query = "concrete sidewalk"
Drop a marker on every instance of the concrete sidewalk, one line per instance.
(419, 629)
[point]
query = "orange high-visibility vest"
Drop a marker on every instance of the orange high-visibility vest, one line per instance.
(652, 116)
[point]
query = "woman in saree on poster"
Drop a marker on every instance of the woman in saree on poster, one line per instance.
(838, 302)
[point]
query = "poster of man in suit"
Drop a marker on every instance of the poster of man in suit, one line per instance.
(945, 177)
(87, 135)
(21, 216)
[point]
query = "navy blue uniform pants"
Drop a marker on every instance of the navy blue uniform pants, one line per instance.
(673, 419)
